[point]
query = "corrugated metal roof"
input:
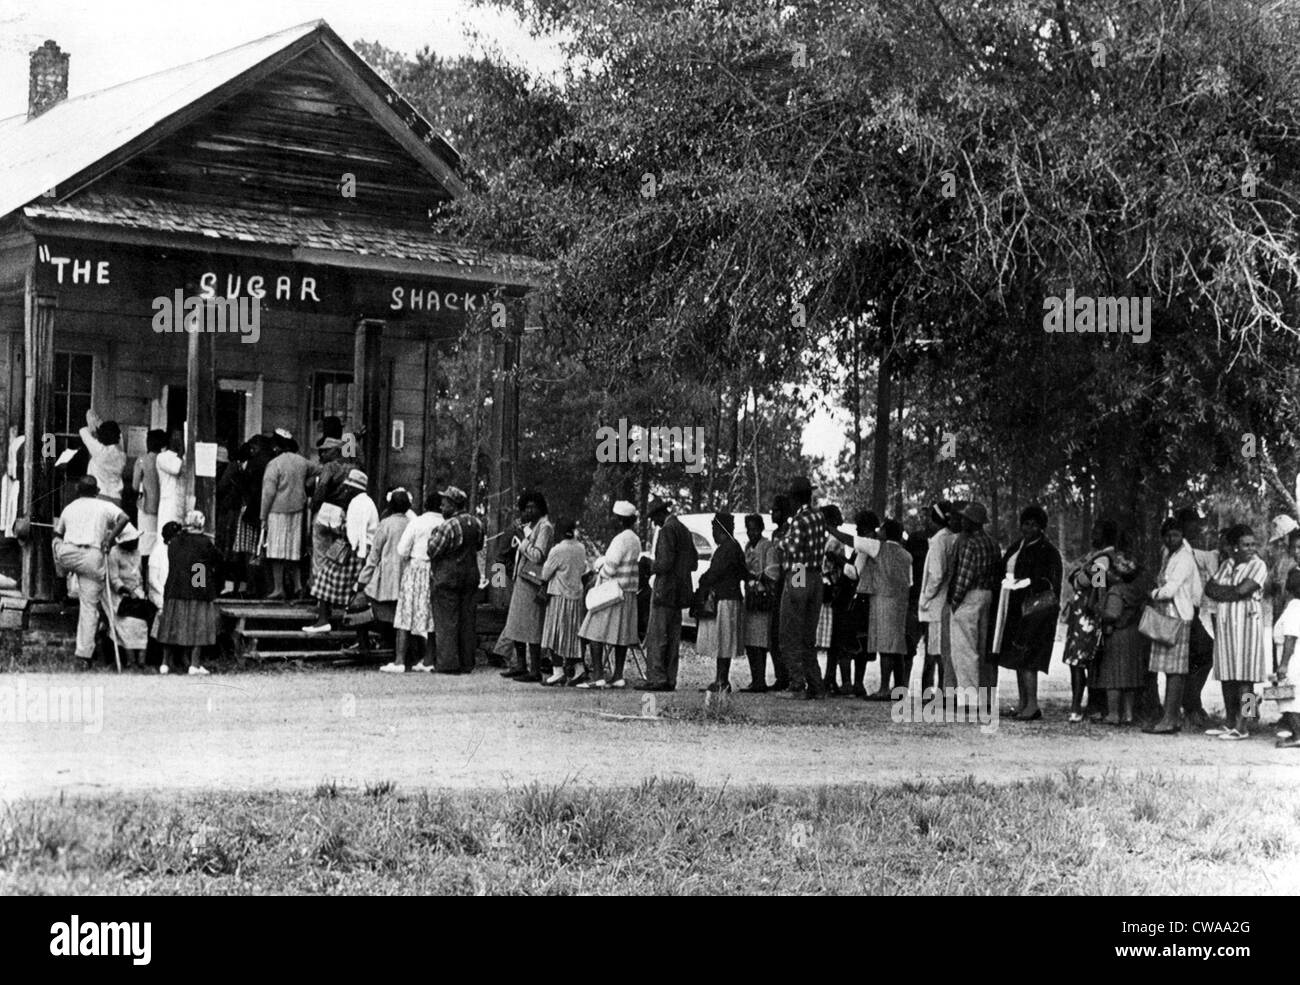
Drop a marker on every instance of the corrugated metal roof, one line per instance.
(37, 155)
(347, 234)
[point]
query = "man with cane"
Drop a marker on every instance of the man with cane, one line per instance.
(83, 535)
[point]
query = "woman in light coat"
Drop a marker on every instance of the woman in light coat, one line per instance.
(615, 625)
(562, 577)
(381, 575)
(1177, 591)
(532, 542)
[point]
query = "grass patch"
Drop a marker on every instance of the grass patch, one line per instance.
(1063, 834)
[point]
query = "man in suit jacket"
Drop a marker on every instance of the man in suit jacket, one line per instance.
(675, 559)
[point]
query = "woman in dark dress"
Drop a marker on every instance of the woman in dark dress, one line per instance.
(189, 614)
(1032, 611)
(720, 636)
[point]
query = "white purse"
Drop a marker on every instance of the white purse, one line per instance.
(604, 594)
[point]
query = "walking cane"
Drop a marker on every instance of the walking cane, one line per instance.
(112, 616)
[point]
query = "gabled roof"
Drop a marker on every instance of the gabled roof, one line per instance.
(77, 140)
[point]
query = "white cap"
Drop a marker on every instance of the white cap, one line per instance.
(128, 534)
(623, 508)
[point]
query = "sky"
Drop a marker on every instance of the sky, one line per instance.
(111, 41)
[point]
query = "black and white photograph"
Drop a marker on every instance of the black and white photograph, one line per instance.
(644, 448)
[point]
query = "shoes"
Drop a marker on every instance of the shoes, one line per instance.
(780, 686)
(618, 683)
(596, 685)
(879, 696)
(197, 671)
(580, 680)
(1197, 719)
(528, 679)
(755, 689)
(317, 627)
(1291, 743)
(859, 691)
(1076, 717)
(423, 668)
(1284, 733)
(1233, 735)
(1158, 729)
(556, 679)
(715, 687)
(1036, 716)
(164, 669)
(514, 672)
(647, 686)
(393, 668)
(1218, 730)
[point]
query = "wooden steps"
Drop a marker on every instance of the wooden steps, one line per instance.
(264, 630)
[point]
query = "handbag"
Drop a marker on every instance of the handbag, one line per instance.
(605, 594)
(331, 517)
(133, 608)
(339, 550)
(1037, 603)
(704, 605)
(543, 597)
(531, 571)
(359, 611)
(758, 597)
(1158, 627)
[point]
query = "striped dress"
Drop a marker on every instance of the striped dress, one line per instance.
(1241, 637)
(617, 623)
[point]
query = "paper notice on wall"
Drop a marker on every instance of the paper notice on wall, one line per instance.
(135, 440)
(205, 459)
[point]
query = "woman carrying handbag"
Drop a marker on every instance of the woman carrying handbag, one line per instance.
(1168, 623)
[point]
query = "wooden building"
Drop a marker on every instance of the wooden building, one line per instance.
(284, 174)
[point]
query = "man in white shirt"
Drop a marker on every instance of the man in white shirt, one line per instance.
(1201, 645)
(83, 534)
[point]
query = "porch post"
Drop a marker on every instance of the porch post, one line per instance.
(367, 375)
(201, 415)
(38, 469)
(503, 481)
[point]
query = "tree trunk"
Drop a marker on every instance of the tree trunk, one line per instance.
(898, 457)
(880, 455)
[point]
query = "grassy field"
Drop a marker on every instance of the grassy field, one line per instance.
(1058, 835)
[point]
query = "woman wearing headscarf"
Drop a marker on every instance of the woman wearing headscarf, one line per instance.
(1178, 588)
(532, 540)
(562, 581)
(932, 602)
(189, 615)
(103, 441)
(1242, 637)
(284, 499)
(1083, 594)
(1033, 587)
(764, 570)
(720, 637)
(615, 625)
(336, 581)
(250, 463)
(381, 575)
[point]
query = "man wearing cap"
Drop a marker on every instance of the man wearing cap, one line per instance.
(454, 582)
(802, 546)
(976, 574)
(675, 559)
(932, 605)
(83, 535)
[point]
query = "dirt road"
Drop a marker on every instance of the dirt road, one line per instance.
(287, 730)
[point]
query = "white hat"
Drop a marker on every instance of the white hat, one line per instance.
(128, 534)
(1283, 524)
(623, 508)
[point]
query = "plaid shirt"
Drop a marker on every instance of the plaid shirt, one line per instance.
(804, 541)
(447, 537)
(979, 564)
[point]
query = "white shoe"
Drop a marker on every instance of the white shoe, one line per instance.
(393, 669)
(1232, 735)
(1283, 733)
(423, 668)
(313, 628)
(593, 685)
(554, 679)
(198, 671)
(618, 683)
(164, 669)
(1219, 730)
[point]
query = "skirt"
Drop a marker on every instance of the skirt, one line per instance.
(524, 620)
(824, 629)
(335, 582)
(614, 624)
(284, 536)
(384, 612)
(755, 627)
(560, 628)
(414, 611)
(1083, 634)
(1123, 661)
(1242, 642)
(719, 638)
(246, 537)
(187, 622)
(148, 533)
(1172, 658)
(887, 624)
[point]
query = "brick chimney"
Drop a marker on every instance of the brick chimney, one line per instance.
(48, 82)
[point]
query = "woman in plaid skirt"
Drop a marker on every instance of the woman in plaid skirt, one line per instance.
(336, 581)
(1177, 593)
